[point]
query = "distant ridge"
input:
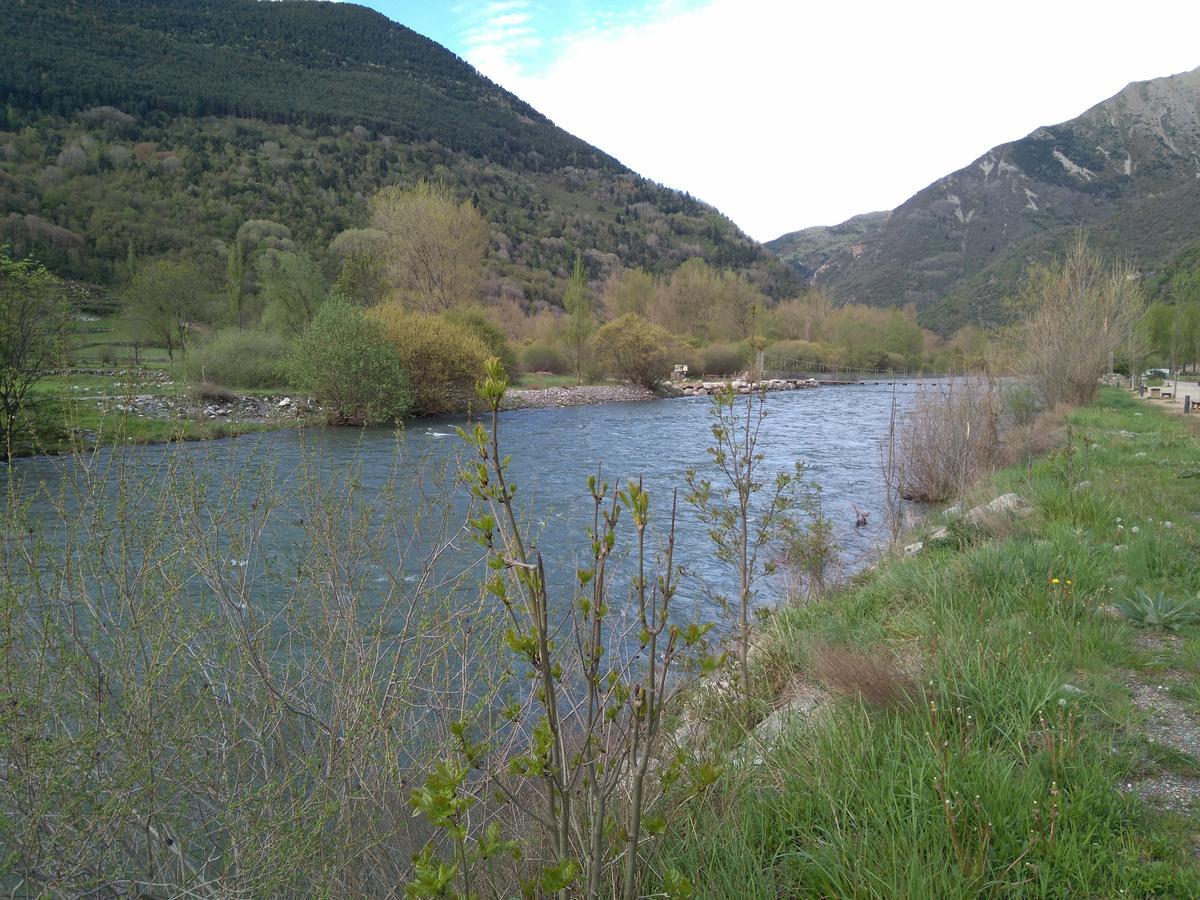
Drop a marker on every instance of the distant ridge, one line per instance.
(1128, 170)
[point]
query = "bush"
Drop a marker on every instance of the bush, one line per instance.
(723, 359)
(237, 358)
(633, 349)
(948, 440)
(477, 321)
(544, 358)
(443, 358)
(346, 363)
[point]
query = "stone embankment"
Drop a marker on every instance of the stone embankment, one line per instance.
(708, 388)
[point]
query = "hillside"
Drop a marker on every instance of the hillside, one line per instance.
(153, 127)
(1127, 170)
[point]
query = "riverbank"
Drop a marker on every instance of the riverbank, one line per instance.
(980, 717)
(97, 406)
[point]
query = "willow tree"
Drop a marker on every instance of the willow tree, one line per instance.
(434, 245)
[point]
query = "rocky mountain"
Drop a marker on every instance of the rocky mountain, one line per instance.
(146, 127)
(1127, 171)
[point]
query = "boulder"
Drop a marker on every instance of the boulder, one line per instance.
(1004, 505)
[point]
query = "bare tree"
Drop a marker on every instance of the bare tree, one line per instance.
(1084, 310)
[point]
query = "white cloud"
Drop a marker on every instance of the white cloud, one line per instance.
(785, 114)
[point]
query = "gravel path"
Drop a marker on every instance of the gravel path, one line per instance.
(1168, 723)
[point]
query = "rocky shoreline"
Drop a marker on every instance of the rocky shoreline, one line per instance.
(583, 395)
(280, 410)
(708, 388)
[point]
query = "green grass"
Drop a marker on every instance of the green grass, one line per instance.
(72, 416)
(1022, 722)
(109, 341)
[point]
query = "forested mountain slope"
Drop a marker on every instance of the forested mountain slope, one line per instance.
(136, 127)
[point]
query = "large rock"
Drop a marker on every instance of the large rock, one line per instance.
(1005, 505)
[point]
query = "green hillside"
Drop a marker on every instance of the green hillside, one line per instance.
(148, 128)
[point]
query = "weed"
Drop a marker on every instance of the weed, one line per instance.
(1159, 611)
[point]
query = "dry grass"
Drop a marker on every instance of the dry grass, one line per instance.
(1045, 432)
(875, 677)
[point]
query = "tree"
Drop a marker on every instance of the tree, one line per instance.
(434, 247)
(344, 361)
(580, 324)
(33, 322)
(292, 287)
(634, 349)
(707, 303)
(252, 236)
(629, 291)
(358, 255)
(1084, 311)
(164, 300)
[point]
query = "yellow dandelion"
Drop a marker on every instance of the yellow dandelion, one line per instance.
(1054, 581)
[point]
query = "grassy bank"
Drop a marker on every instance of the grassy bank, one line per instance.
(985, 742)
(85, 411)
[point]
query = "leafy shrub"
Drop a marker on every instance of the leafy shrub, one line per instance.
(351, 368)
(1160, 611)
(442, 358)
(1020, 403)
(476, 319)
(723, 359)
(240, 358)
(633, 349)
(544, 358)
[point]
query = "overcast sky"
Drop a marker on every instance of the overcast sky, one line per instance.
(788, 114)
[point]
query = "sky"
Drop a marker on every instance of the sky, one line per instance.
(790, 114)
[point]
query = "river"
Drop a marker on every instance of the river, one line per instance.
(836, 432)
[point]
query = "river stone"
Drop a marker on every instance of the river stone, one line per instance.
(1004, 505)
(800, 708)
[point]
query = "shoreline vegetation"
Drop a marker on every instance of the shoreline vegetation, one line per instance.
(1003, 706)
(990, 710)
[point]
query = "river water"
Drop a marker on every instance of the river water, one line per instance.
(837, 432)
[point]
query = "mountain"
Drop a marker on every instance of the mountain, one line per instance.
(1127, 171)
(152, 126)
